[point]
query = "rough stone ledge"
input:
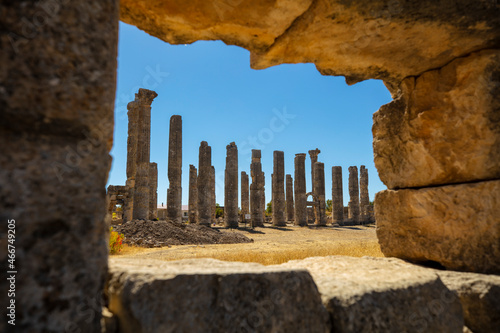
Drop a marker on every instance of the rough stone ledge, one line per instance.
(480, 298)
(456, 226)
(207, 295)
(382, 295)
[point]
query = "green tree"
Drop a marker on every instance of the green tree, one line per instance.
(269, 209)
(219, 212)
(329, 206)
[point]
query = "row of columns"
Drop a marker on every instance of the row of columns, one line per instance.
(142, 180)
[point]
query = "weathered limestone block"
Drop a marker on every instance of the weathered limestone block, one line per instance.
(353, 194)
(193, 194)
(245, 195)
(300, 190)
(174, 191)
(319, 191)
(153, 194)
(204, 216)
(278, 190)
(444, 127)
(456, 226)
(289, 198)
(207, 295)
(143, 100)
(360, 40)
(480, 298)
(57, 91)
(382, 295)
(337, 195)
(252, 24)
(231, 187)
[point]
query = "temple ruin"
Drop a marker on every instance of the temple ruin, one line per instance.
(435, 148)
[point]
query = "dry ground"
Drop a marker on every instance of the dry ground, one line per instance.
(275, 245)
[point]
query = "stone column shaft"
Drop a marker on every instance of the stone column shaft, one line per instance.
(231, 187)
(300, 190)
(143, 98)
(289, 198)
(278, 190)
(213, 202)
(363, 193)
(319, 192)
(353, 194)
(245, 195)
(193, 194)
(174, 191)
(337, 195)
(204, 184)
(153, 191)
(313, 154)
(256, 190)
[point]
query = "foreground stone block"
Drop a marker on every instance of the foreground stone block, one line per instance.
(456, 226)
(382, 295)
(207, 295)
(444, 128)
(480, 298)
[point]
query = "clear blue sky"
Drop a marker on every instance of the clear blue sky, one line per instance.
(221, 99)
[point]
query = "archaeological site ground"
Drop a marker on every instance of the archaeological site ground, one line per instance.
(424, 257)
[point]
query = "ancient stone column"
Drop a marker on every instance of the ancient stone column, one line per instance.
(153, 191)
(363, 193)
(353, 194)
(289, 198)
(278, 183)
(245, 196)
(133, 124)
(174, 191)
(300, 190)
(256, 190)
(337, 195)
(231, 187)
(193, 193)
(213, 202)
(319, 190)
(204, 184)
(143, 98)
(313, 154)
(263, 195)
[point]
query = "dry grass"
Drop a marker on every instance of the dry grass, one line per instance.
(276, 257)
(273, 246)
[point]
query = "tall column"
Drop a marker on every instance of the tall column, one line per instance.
(213, 202)
(245, 196)
(153, 191)
(174, 191)
(319, 190)
(337, 195)
(353, 194)
(278, 183)
(143, 98)
(300, 190)
(363, 193)
(313, 154)
(231, 187)
(204, 184)
(256, 190)
(263, 203)
(193, 193)
(133, 126)
(289, 198)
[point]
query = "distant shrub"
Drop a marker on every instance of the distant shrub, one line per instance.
(115, 241)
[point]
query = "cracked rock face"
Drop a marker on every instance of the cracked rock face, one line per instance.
(388, 40)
